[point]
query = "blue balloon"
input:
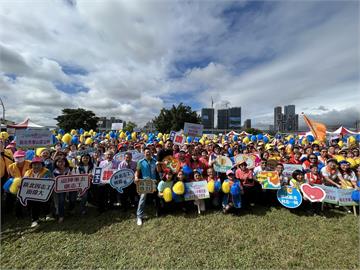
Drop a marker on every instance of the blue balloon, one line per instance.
(236, 138)
(196, 139)
(266, 139)
(7, 184)
(249, 136)
(30, 154)
(235, 189)
(253, 138)
(75, 140)
(310, 138)
(217, 186)
(129, 137)
(187, 170)
(355, 195)
(53, 139)
(260, 137)
(61, 131)
(357, 137)
(278, 136)
(113, 135)
(81, 131)
(189, 139)
(127, 133)
(292, 141)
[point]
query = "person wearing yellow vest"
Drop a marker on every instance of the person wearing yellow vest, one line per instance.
(6, 158)
(17, 170)
(38, 170)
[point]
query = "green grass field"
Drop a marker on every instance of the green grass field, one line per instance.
(265, 238)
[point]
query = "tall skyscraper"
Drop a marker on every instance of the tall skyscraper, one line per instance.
(223, 119)
(235, 117)
(278, 119)
(247, 123)
(207, 118)
(289, 121)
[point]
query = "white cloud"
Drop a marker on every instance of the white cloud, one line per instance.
(302, 53)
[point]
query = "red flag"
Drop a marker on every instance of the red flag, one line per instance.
(317, 129)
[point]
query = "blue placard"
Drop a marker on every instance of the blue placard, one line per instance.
(289, 197)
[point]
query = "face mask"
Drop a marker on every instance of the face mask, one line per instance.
(19, 159)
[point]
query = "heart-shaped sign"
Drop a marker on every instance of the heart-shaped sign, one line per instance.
(313, 194)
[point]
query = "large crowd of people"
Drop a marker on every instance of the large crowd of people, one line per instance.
(330, 163)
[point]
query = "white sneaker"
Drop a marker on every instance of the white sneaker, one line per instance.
(34, 224)
(47, 218)
(139, 221)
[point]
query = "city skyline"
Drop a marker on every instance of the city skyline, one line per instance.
(129, 59)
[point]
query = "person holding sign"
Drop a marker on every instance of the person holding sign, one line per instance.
(200, 203)
(146, 168)
(130, 191)
(38, 171)
(17, 170)
(85, 166)
(246, 177)
(62, 167)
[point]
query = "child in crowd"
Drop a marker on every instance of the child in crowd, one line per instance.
(232, 200)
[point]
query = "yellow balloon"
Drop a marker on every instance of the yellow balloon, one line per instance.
(167, 195)
(4, 135)
(122, 135)
(352, 162)
(86, 133)
(39, 150)
(58, 137)
(160, 135)
(73, 132)
(357, 160)
(225, 187)
(304, 142)
(207, 142)
(133, 135)
(211, 186)
(179, 188)
(107, 136)
(339, 158)
(201, 141)
(89, 141)
(82, 138)
(351, 140)
(246, 140)
(15, 186)
(145, 137)
(66, 138)
(341, 143)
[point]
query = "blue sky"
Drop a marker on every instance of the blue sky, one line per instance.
(131, 58)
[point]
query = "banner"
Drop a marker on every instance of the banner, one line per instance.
(289, 197)
(248, 158)
(193, 130)
(196, 190)
(33, 137)
(269, 179)
(35, 189)
(290, 168)
(103, 175)
(222, 164)
(67, 183)
(332, 195)
(122, 179)
(144, 186)
(117, 126)
(172, 135)
(136, 156)
(341, 197)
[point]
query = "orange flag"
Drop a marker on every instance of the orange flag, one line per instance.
(317, 129)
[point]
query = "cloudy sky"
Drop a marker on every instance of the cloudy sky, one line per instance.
(131, 58)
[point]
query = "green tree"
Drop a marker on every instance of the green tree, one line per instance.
(174, 118)
(76, 119)
(130, 126)
(254, 131)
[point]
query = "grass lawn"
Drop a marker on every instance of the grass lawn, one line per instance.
(265, 238)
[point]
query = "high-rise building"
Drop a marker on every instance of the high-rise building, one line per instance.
(278, 119)
(234, 117)
(247, 123)
(223, 119)
(207, 118)
(289, 121)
